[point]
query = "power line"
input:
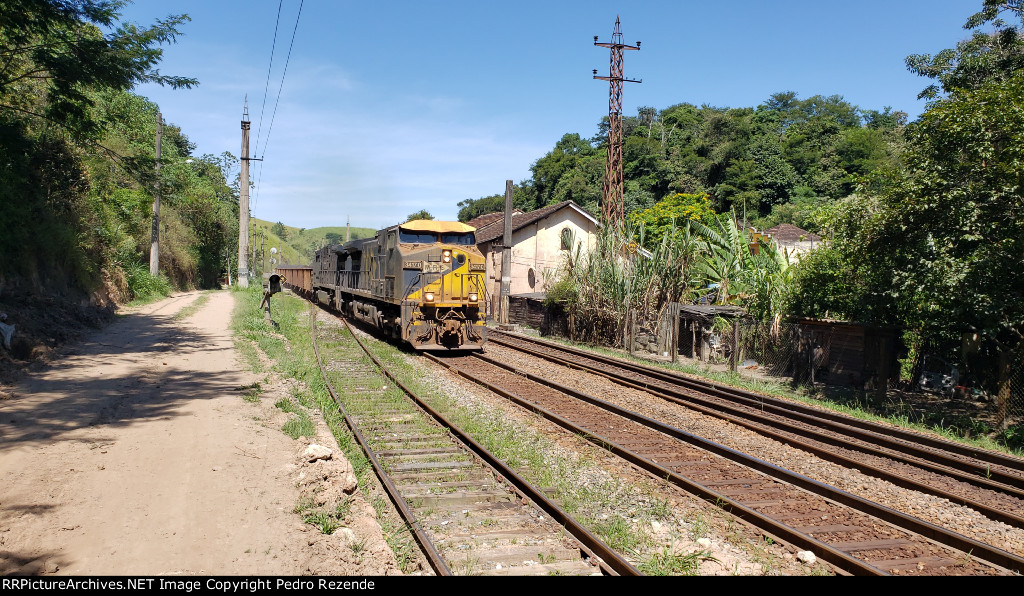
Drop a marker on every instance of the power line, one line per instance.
(283, 74)
(266, 88)
(277, 101)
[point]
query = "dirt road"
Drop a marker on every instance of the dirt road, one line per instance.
(136, 454)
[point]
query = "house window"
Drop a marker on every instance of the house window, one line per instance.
(566, 238)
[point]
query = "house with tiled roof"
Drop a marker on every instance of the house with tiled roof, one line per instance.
(540, 240)
(795, 241)
(489, 218)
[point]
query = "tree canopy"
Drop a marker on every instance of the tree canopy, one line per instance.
(77, 156)
(421, 214)
(774, 163)
(980, 59)
(54, 53)
(933, 247)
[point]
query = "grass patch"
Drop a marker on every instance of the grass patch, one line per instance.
(299, 425)
(144, 287)
(251, 393)
(193, 308)
(667, 562)
(290, 354)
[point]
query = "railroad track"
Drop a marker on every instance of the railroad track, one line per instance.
(468, 512)
(853, 534)
(988, 482)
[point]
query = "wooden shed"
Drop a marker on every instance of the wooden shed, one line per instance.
(841, 353)
(531, 311)
(697, 337)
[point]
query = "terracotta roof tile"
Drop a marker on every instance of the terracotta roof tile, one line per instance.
(482, 220)
(495, 228)
(789, 233)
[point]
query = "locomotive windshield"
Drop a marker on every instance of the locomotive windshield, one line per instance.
(409, 237)
(465, 239)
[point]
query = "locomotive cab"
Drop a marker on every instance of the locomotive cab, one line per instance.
(442, 285)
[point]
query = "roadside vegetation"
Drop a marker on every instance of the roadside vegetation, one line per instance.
(285, 349)
(621, 513)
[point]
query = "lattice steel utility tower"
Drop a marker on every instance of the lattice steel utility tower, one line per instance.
(612, 210)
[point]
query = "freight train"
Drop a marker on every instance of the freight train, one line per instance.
(420, 282)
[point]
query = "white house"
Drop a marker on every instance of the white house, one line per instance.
(794, 240)
(540, 240)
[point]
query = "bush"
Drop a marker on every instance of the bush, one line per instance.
(143, 287)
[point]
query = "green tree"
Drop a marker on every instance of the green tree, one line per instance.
(421, 214)
(53, 53)
(75, 172)
(569, 160)
(473, 208)
(933, 250)
(954, 225)
(279, 230)
(670, 216)
(982, 58)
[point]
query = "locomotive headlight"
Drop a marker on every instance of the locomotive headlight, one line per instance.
(429, 296)
(473, 297)
(446, 256)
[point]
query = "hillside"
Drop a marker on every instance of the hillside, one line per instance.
(296, 246)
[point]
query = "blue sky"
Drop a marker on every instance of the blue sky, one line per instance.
(395, 106)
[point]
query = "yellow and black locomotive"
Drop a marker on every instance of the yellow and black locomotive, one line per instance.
(421, 281)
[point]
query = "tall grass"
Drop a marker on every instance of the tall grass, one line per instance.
(599, 287)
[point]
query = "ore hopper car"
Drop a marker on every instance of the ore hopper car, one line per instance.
(421, 282)
(297, 278)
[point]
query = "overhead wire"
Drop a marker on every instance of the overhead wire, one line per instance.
(277, 101)
(266, 88)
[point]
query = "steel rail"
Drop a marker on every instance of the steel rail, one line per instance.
(742, 418)
(437, 562)
(607, 557)
(868, 431)
(935, 533)
(780, 532)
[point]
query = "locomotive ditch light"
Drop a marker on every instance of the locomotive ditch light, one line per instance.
(429, 296)
(473, 297)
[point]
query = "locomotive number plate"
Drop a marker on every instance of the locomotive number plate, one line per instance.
(412, 265)
(478, 267)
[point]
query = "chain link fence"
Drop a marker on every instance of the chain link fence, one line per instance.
(976, 373)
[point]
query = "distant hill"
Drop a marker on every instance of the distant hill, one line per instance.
(298, 244)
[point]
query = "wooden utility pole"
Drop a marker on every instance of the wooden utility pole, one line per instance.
(243, 205)
(154, 249)
(506, 256)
